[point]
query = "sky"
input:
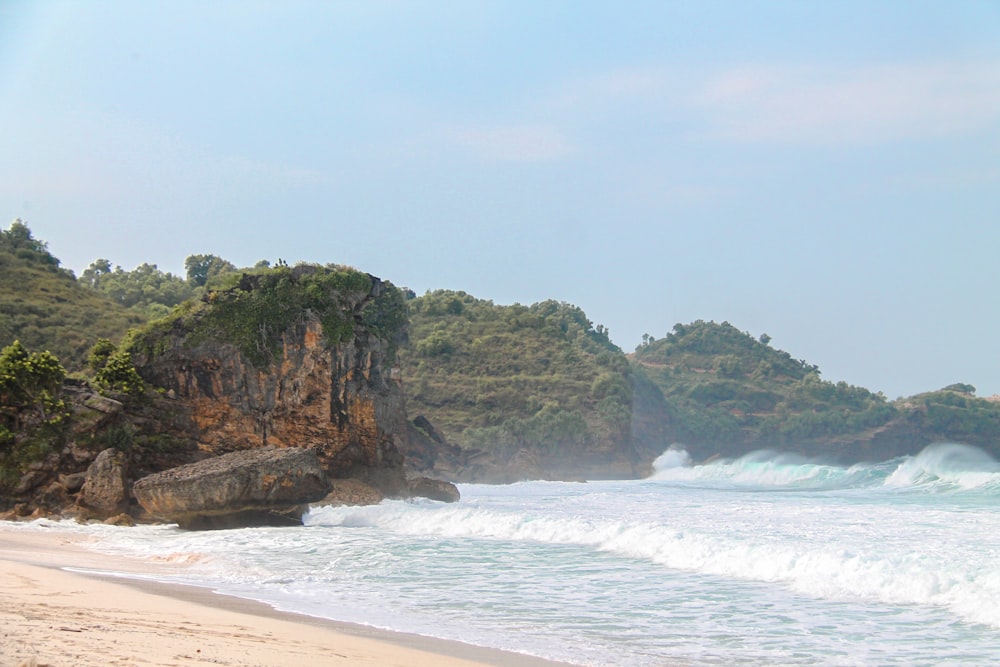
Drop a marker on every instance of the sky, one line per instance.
(827, 173)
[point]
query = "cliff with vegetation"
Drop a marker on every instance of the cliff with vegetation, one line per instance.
(719, 391)
(523, 391)
(322, 358)
(288, 357)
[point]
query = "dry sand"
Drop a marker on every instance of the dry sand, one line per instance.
(51, 616)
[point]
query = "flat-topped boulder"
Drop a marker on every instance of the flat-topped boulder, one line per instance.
(264, 486)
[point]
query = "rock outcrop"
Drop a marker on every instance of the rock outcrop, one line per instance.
(303, 386)
(264, 486)
(52, 484)
(296, 358)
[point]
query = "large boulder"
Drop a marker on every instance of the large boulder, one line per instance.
(105, 490)
(266, 486)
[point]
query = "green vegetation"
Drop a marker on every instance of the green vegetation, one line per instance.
(252, 310)
(509, 378)
(954, 413)
(146, 290)
(720, 385)
(43, 306)
(30, 383)
(205, 270)
(31, 410)
(539, 379)
(114, 370)
(151, 292)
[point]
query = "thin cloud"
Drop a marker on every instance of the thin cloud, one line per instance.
(860, 105)
(106, 158)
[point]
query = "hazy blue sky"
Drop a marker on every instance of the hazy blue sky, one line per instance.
(824, 172)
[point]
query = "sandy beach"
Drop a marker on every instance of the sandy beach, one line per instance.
(53, 616)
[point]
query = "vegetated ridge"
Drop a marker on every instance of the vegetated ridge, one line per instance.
(719, 390)
(530, 391)
(239, 358)
(288, 356)
(46, 308)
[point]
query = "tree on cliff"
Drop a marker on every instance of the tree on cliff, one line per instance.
(29, 386)
(145, 289)
(202, 268)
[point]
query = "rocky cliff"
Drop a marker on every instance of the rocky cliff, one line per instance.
(290, 358)
(298, 357)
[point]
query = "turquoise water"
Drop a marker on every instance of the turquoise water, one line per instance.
(763, 560)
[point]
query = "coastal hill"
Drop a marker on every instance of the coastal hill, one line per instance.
(272, 357)
(46, 308)
(528, 391)
(723, 392)
(386, 384)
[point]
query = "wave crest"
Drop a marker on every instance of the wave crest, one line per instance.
(941, 467)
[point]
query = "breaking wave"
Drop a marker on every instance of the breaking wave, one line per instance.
(945, 467)
(762, 546)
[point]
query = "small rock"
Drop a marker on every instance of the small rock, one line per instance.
(120, 520)
(73, 481)
(434, 489)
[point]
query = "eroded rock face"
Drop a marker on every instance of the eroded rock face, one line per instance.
(339, 400)
(264, 486)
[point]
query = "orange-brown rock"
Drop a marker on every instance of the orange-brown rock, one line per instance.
(337, 399)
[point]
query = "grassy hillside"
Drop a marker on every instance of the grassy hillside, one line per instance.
(43, 305)
(515, 378)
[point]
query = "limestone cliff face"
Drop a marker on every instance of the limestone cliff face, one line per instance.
(337, 398)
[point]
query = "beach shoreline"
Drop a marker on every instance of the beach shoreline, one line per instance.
(62, 604)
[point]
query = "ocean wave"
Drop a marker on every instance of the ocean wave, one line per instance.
(823, 568)
(938, 468)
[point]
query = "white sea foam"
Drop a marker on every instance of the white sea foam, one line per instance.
(672, 458)
(913, 574)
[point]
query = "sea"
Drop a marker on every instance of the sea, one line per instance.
(768, 559)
